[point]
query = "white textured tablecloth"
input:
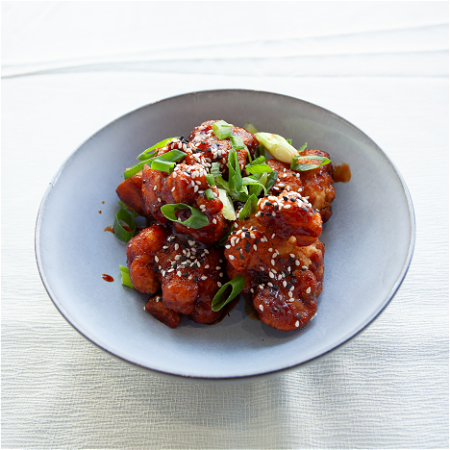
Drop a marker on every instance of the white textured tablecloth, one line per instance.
(70, 68)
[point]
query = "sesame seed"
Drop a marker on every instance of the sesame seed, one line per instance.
(219, 284)
(284, 283)
(203, 278)
(207, 266)
(255, 247)
(220, 274)
(227, 246)
(308, 290)
(297, 324)
(261, 307)
(191, 243)
(156, 259)
(270, 250)
(297, 262)
(273, 262)
(304, 267)
(261, 286)
(271, 275)
(218, 268)
(291, 255)
(177, 246)
(273, 235)
(232, 258)
(179, 273)
(154, 188)
(290, 294)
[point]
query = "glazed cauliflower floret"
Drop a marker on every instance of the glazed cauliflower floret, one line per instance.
(316, 185)
(187, 272)
(186, 184)
(283, 280)
(208, 148)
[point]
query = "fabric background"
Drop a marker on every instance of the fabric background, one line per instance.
(70, 68)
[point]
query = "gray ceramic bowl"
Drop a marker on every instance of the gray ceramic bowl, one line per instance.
(369, 242)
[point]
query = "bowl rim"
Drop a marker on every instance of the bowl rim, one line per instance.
(259, 376)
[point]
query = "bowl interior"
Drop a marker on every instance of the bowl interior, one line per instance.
(368, 241)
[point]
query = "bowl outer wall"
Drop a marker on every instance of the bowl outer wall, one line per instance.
(369, 241)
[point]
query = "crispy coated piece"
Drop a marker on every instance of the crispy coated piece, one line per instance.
(130, 192)
(282, 279)
(290, 215)
(159, 310)
(315, 185)
(318, 185)
(207, 146)
(188, 272)
(186, 184)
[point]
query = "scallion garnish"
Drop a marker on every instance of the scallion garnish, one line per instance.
(209, 194)
(261, 179)
(210, 179)
(237, 142)
(222, 129)
(302, 167)
(236, 284)
(228, 208)
(136, 169)
(289, 141)
(119, 230)
(259, 160)
(125, 206)
(250, 128)
(303, 147)
(162, 165)
(250, 207)
(196, 221)
(147, 153)
(271, 180)
(258, 168)
(125, 274)
(277, 146)
(172, 156)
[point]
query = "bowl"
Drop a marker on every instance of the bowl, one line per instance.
(369, 242)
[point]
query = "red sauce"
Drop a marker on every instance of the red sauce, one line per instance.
(342, 173)
(110, 229)
(225, 310)
(107, 278)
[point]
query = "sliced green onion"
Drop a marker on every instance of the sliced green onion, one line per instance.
(209, 194)
(259, 160)
(261, 184)
(143, 155)
(250, 128)
(258, 168)
(210, 179)
(271, 180)
(250, 207)
(237, 142)
(224, 240)
(296, 165)
(119, 230)
(277, 146)
(125, 206)
(236, 284)
(234, 171)
(136, 169)
(249, 156)
(162, 165)
(289, 141)
(260, 151)
(222, 129)
(125, 274)
(215, 168)
(173, 156)
(303, 147)
(196, 221)
(228, 209)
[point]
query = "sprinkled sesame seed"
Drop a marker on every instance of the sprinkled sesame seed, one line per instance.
(291, 255)
(177, 246)
(308, 290)
(270, 250)
(284, 283)
(179, 273)
(290, 294)
(227, 246)
(220, 274)
(269, 284)
(203, 278)
(255, 247)
(218, 268)
(271, 275)
(273, 235)
(273, 262)
(304, 267)
(232, 258)
(156, 259)
(297, 262)
(297, 324)
(219, 284)
(261, 307)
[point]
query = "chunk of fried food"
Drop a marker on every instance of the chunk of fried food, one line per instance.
(291, 215)
(186, 184)
(316, 185)
(187, 272)
(283, 279)
(208, 148)
(130, 192)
